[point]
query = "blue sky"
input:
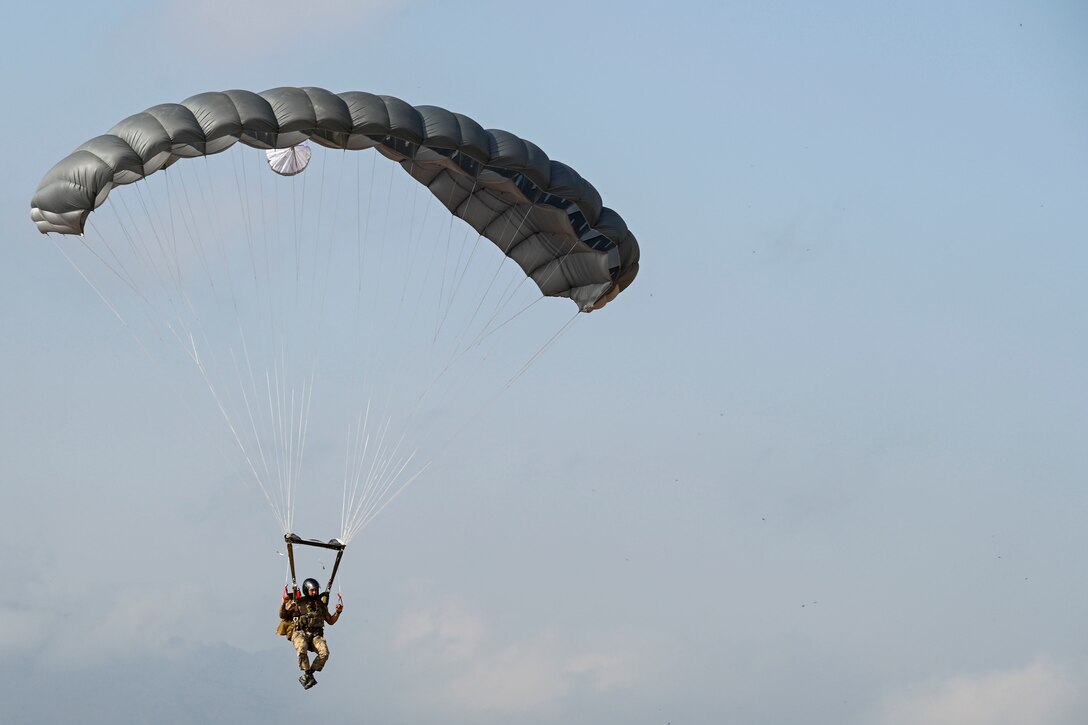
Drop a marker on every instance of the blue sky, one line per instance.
(823, 462)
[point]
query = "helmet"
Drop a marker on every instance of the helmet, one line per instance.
(311, 585)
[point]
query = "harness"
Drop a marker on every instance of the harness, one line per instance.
(310, 619)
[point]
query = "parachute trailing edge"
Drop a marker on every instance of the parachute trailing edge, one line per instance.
(563, 237)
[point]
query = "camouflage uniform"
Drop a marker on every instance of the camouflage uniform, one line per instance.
(310, 617)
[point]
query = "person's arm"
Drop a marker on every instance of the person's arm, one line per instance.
(287, 608)
(331, 618)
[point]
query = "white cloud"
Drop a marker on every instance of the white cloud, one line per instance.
(467, 668)
(605, 671)
(129, 626)
(449, 628)
(22, 628)
(517, 678)
(1042, 693)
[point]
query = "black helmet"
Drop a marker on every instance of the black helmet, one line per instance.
(311, 584)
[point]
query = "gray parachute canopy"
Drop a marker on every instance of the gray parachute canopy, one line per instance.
(539, 212)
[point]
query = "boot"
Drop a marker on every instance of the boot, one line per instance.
(310, 681)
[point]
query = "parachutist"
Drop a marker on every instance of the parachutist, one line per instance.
(307, 614)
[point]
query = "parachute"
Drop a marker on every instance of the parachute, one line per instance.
(291, 294)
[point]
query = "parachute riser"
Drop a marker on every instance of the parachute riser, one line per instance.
(335, 566)
(334, 544)
(291, 560)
